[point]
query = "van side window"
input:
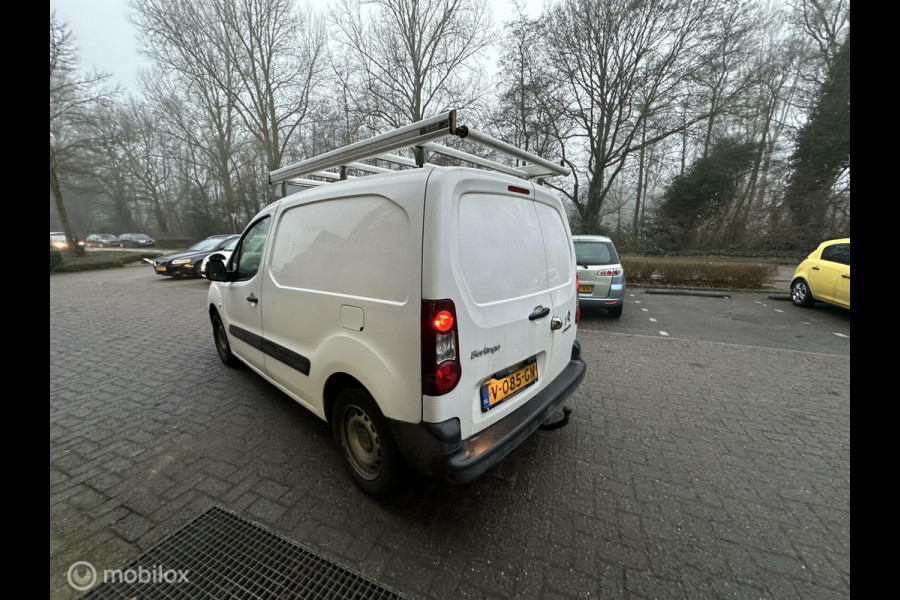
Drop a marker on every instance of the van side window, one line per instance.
(248, 255)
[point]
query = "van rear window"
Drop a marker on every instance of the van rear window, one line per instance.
(501, 252)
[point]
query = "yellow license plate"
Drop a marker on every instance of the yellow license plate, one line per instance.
(161, 269)
(585, 289)
(496, 391)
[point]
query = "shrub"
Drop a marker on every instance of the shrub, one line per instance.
(696, 273)
(56, 259)
(98, 260)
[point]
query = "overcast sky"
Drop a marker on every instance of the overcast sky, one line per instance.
(106, 39)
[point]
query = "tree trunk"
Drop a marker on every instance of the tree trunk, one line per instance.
(58, 200)
(640, 183)
(590, 214)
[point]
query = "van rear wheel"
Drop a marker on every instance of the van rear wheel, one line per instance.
(367, 447)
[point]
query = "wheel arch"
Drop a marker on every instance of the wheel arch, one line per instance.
(337, 382)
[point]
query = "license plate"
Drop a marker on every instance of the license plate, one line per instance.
(161, 269)
(496, 391)
(585, 289)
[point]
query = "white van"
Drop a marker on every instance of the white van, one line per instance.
(429, 315)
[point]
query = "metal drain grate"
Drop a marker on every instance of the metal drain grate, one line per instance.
(226, 556)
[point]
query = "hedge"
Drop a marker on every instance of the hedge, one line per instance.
(696, 273)
(96, 260)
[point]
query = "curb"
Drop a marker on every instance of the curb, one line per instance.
(684, 292)
(779, 296)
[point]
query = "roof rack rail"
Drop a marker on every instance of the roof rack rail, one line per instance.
(420, 137)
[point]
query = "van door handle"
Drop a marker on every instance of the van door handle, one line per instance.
(815, 268)
(538, 313)
(253, 299)
(845, 276)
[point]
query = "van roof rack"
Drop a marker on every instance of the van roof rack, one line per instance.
(420, 137)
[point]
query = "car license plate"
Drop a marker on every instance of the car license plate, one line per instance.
(161, 269)
(585, 289)
(496, 391)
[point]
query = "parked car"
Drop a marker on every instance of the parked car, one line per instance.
(824, 275)
(58, 240)
(601, 278)
(428, 315)
(101, 240)
(187, 262)
(224, 253)
(136, 240)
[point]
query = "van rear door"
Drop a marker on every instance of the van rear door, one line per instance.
(560, 257)
(485, 250)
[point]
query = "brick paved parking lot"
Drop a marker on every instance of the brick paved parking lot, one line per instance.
(695, 466)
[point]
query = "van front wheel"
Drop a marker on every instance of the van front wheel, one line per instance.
(222, 346)
(367, 448)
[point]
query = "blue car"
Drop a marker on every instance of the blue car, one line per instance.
(601, 278)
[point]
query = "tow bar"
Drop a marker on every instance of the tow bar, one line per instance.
(559, 423)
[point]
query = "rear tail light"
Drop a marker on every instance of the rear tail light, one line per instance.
(440, 347)
(610, 272)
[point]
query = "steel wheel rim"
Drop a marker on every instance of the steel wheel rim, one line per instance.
(361, 442)
(800, 291)
(221, 340)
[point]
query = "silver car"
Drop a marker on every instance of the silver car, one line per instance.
(601, 278)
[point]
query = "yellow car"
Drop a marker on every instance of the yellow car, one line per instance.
(824, 275)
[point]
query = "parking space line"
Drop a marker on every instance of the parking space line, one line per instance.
(645, 309)
(713, 342)
(779, 310)
(637, 301)
(664, 333)
(652, 320)
(841, 335)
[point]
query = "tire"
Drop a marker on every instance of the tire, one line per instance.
(801, 295)
(615, 313)
(223, 348)
(197, 272)
(364, 439)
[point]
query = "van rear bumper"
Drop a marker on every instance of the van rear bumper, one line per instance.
(438, 450)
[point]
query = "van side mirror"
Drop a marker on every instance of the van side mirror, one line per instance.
(215, 269)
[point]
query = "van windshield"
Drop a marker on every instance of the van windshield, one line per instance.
(596, 253)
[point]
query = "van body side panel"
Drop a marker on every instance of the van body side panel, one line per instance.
(342, 289)
(484, 250)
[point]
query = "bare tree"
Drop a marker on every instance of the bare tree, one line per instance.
(529, 111)
(825, 23)
(413, 58)
(73, 98)
(728, 72)
(202, 118)
(622, 62)
(260, 58)
(278, 55)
